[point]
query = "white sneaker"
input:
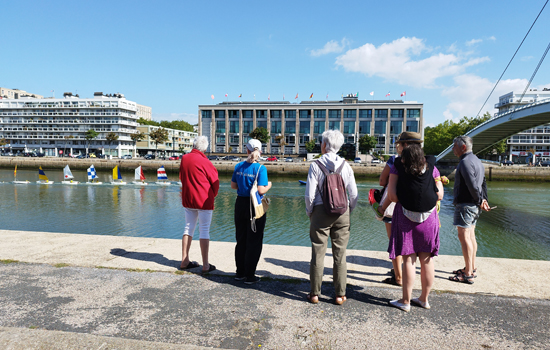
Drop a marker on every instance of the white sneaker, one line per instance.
(400, 306)
(416, 301)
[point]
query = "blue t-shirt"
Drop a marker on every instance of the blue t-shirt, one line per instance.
(390, 161)
(245, 174)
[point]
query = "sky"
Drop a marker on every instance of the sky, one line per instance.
(176, 55)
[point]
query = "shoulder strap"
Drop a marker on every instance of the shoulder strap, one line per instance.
(339, 170)
(322, 167)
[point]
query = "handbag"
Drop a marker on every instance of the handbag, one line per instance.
(258, 203)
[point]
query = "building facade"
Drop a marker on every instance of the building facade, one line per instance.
(59, 126)
(179, 141)
(16, 93)
(228, 124)
(144, 112)
(522, 144)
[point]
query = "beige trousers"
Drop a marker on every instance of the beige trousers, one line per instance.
(323, 226)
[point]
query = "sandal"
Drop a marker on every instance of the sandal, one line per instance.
(391, 280)
(339, 300)
(210, 269)
(191, 265)
(462, 278)
(314, 299)
(461, 272)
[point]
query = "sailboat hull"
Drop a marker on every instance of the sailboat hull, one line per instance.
(141, 183)
(94, 183)
(69, 182)
(43, 182)
(162, 183)
(21, 182)
(118, 183)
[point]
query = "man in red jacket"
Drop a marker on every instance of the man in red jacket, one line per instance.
(199, 188)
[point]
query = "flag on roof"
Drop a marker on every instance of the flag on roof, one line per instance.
(388, 94)
(403, 93)
(212, 96)
(311, 96)
(269, 97)
(240, 95)
(296, 96)
(225, 95)
(372, 93)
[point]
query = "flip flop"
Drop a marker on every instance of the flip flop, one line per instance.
(210, 269)
(191, 265)
(462, 278)
(391, 280)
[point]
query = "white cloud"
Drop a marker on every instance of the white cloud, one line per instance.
(331, 47)
(473, 42)
(492, 38)
(394, 62)
(470, 92)
(188, 117)
(526, 58)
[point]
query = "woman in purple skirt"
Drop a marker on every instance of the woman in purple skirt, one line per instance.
(414, 185)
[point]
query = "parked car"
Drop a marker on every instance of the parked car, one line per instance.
(39, 154)
(213, 157)
(102, 156)
(263, 158)
(225, 158)
(507, 162)
(546, 163)
(173, 158)
(126, 156)
(288, 159)
(149, 156)
(234, 159)
(273, 159)
(82, 156)
(375, 161)
(357, 160)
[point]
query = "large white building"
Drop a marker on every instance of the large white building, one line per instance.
(179, 141)
(228, 124)
(537, 139)
(55, 125)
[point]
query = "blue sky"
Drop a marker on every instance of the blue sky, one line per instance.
(173, 55)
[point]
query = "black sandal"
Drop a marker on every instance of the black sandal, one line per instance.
(191, 265)
(391, 280)
(462, 278)
(462, 271)
(210, 269)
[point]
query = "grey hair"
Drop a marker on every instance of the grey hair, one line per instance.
(464, 140)
(333, 140)
(200, 143)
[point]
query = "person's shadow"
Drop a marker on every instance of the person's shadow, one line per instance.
(145, 256)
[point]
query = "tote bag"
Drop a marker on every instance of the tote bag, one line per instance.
(258, 203)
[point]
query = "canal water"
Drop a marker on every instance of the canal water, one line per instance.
(518, 228)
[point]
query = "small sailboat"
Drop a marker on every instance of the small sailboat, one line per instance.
(15, 178)
(92, 176)
(162, 177)
(68, 176)
(42, 178)
(302, 182)
(117, 178)
(139, 177)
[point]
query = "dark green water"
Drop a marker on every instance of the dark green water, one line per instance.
(518, 228)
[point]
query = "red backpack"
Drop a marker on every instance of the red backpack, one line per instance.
(335, 197)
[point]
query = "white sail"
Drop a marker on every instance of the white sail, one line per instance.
(137, 174)
(67, 175)
(92, 176)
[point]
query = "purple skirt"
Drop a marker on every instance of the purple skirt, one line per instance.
(408, 237)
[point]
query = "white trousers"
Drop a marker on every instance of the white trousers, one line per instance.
(204, 217)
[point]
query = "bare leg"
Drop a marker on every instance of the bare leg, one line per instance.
(185, 246)
(408, 277)
(397, 262)
(474, 246)
(467, 248)
(427, 275)
(204, 252)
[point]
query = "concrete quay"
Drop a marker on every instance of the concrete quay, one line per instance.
(71, 291)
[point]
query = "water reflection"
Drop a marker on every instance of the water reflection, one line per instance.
(518, 228)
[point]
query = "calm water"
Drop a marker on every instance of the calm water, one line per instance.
(518, 228)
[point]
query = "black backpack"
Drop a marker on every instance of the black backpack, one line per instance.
(335, 197)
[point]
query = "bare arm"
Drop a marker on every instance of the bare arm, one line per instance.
(440, 192)
(234, 185)
(384, 177)
(263, 189)
(392, 188)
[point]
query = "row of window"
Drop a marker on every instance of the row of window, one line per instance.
(396, 127)
(317, 113)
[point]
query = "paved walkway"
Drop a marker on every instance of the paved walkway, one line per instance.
(102, 292)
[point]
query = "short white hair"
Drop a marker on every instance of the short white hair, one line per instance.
(333, 140)
(464, 141)
(200, 143)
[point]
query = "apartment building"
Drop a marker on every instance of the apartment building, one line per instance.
(179, 141)
(16, 93)
(228, 124)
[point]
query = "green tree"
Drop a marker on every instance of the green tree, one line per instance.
(177, 124)
(137, 137)
(158, 136)
(366, 143)
(310, 145)
(67, 138)
(260, 134)
(439, 137)
(3, 142)
(90, 135)
(282, 143)
(110, 138)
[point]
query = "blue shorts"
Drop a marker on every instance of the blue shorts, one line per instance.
(466, 215)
